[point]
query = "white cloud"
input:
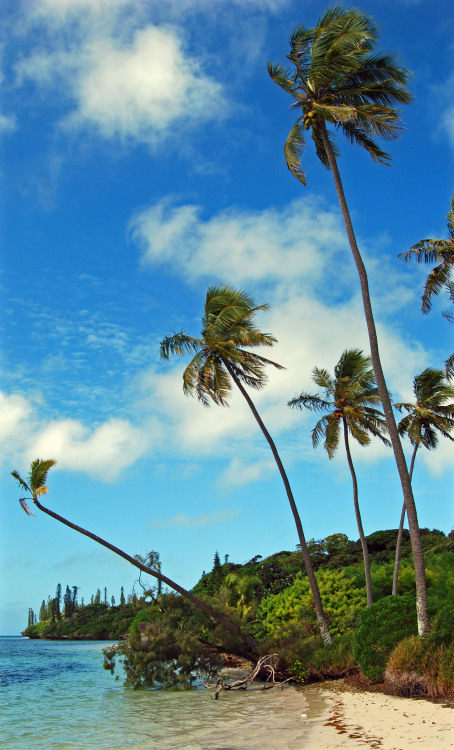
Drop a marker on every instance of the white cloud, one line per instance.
(7, 123)
(238, 473)
(316, 313)
(15, 413)
(240, 245)
(103, 452)
(126, 82)
(185, 521)
(139, 90)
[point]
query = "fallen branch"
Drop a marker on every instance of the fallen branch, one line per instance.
(267, 664)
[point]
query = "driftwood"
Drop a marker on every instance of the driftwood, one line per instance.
(267, 665)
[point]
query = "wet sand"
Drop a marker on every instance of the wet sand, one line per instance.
(373, 720)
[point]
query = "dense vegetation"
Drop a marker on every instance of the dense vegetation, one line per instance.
(101, 619)
(169, 642)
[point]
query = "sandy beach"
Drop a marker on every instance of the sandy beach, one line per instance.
(361, 719)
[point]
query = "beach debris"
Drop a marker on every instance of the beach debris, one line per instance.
(266, 665)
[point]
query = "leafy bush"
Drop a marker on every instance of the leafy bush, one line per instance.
(382, 626)
(341, 596)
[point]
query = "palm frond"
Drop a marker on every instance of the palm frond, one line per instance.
(332, 434)
(22, 482)
(449, 367)
(282, 77)
(25, 506)
(319, 430)
(314, 402)
(293, 151)
(437, 279)
(179, 343)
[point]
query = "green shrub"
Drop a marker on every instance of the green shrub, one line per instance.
(342, 600)
(381, 627)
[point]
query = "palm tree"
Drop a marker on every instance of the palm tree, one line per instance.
(242, 591)
(349, 398)
(223, 355)
(428, 415)
(35, 485)
(338, 81)
(440, 277)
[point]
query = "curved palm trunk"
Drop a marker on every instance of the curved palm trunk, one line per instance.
(418, 556)
(250, 651)
(358, 520)
(399, 533)
(321, 619)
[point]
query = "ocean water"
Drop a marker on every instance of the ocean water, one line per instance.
(55, 695)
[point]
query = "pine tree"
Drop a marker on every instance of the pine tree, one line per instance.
(98, 596)
(105, 596)
(43, 611)
(122, 596)
(67, 602)
(216, 575)
(112, 601)
(58, 600)
(74, 599)
(31, 617)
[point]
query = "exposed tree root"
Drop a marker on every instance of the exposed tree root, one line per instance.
(265, 667)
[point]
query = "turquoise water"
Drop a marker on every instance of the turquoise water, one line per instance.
(55, 695)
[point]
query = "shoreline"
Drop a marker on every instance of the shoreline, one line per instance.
(359, 718)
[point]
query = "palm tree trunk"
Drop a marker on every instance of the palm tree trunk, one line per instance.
(400, 532)
(358, 519)
(418, 556)
(321, 619)
(251, 645)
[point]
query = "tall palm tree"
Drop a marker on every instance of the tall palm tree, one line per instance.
(339, 82)
(428, 415)
(222, 355)
(350, 399)
(440, 277)
(35, 485)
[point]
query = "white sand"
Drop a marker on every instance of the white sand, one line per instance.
(359, 720)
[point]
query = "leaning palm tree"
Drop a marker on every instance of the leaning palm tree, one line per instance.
(432, 412)
(350, 399)
(338, 81)
(35, 485)
(223, 355)
(440, 252)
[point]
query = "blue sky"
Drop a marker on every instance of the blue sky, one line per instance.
(142, 162)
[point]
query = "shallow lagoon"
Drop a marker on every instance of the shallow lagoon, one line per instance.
(54, 695)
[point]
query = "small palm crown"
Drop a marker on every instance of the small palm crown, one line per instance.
(431, 413)
(36, 481)
(350, 397)
(338, 80)
(440, 252)
(222, 352)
